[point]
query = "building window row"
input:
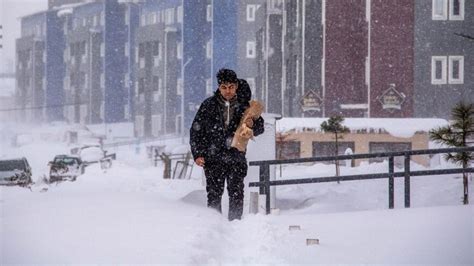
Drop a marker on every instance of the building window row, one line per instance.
(167, 16)
(447, 69)
(90, 21)
(444, 9)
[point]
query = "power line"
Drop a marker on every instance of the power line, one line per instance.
(40, 107)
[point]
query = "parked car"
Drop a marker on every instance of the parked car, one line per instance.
(94, 154)
(65, 167)
(15, 172)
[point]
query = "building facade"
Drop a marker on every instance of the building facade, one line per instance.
(444, 60)
(40, 68)
(174, 60)
(99, 61)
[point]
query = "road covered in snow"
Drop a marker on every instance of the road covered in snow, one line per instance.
(129, 214)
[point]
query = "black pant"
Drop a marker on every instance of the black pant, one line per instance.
(232, 167)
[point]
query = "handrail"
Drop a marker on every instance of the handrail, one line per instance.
(264, 182)
(362, 156)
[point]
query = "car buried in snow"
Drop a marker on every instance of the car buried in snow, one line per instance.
(65, 167)
(15, 172)
(91, 154)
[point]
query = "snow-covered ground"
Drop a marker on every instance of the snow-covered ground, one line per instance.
(129, 214)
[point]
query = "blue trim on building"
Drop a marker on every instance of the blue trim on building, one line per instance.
(224, 36)
(197, 69)
(55, 70)
(115, 62)
(134, 22)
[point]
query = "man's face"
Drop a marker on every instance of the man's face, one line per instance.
(228, 90)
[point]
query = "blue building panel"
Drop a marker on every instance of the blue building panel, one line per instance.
(196, 33)
(224, 35)
(134, 22)
(114, 61)
(55, 70)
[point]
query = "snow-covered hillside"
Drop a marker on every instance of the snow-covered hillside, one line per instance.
(129, 214)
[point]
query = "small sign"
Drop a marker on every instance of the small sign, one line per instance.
(312, 241)
(294, 227)
(391, 99)
(311, 101)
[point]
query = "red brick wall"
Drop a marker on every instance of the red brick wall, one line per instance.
(346, 50)
(392, 41)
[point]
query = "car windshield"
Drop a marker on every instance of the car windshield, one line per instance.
(66, 160)
(12, 165)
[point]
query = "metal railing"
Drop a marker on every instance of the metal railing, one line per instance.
(264, 182)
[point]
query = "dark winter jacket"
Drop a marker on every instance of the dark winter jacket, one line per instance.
(208, 136)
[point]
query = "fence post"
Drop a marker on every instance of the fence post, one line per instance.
(265, 189)
(390, 183)
(407, 180)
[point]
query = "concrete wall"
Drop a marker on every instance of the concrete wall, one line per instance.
(362, 142)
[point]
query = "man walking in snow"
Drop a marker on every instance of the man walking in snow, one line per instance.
(211, 136)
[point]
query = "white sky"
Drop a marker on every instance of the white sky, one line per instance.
(10, 12)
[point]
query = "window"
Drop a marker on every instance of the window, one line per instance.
(86, 80)
(180, 14)
(288, 149)
(456, 9)
(126, 79)
(251, 9)
(169, 16)
(209, 13)
(160, 86)
(329, 148)
(160, 51)
(179, 89)
(95, 21)
(142, 62)
(251, 50)
(179, 50)
(127, 49)
(440, 9)
(102, 80)
(209, 49)
(156, 86)
(102, 49)
(155, 124)
(208, 86)
(456, 69)
(376, 147)
(143, 20)
(127, 17)
(438, 70)
(151, 18)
